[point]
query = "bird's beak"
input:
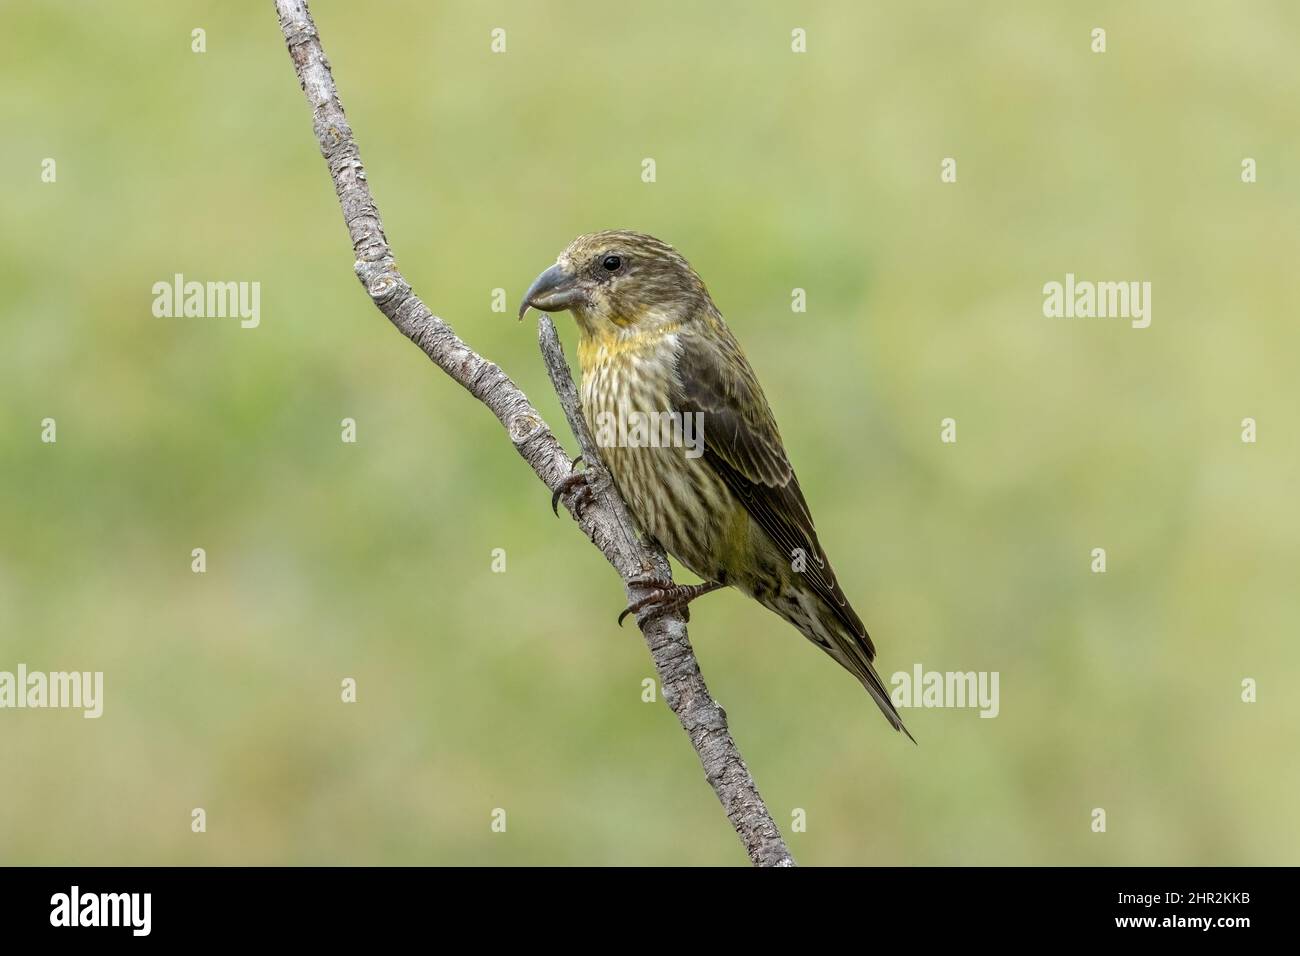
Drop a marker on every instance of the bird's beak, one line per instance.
(553, 291)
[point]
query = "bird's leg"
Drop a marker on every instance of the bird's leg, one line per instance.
(576, 484)
(666, 596)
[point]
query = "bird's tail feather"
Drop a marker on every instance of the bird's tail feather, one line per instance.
(851, 650)
(880, 694)
(855, 653)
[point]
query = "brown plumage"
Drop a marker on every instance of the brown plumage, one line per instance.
(729, 506)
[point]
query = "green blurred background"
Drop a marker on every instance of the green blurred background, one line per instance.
(775, 170)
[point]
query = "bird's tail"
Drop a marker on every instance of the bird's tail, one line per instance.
(850, 647)
(880, 694)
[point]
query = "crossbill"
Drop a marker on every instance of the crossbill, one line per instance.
(654, 349)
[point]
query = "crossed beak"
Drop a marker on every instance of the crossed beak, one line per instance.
(553, 291)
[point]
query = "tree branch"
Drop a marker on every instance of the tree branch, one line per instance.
(605, 518)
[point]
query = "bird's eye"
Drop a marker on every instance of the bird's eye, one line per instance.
(611, 263)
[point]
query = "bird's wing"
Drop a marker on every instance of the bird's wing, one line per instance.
(742, 444)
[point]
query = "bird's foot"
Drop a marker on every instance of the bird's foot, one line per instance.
(576, 484)
(665, 596)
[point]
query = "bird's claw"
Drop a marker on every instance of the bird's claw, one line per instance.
(665, 596)
(660, 599)
(575, 484)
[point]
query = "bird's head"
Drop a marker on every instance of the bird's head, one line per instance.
(619, 282)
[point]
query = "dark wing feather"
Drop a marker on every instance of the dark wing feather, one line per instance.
(742, 444)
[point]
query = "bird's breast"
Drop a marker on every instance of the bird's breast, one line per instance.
(655, 452)
(626, 375)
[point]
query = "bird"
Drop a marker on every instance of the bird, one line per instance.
(685, 431)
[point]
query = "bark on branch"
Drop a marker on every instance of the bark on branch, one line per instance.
(605, 518)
